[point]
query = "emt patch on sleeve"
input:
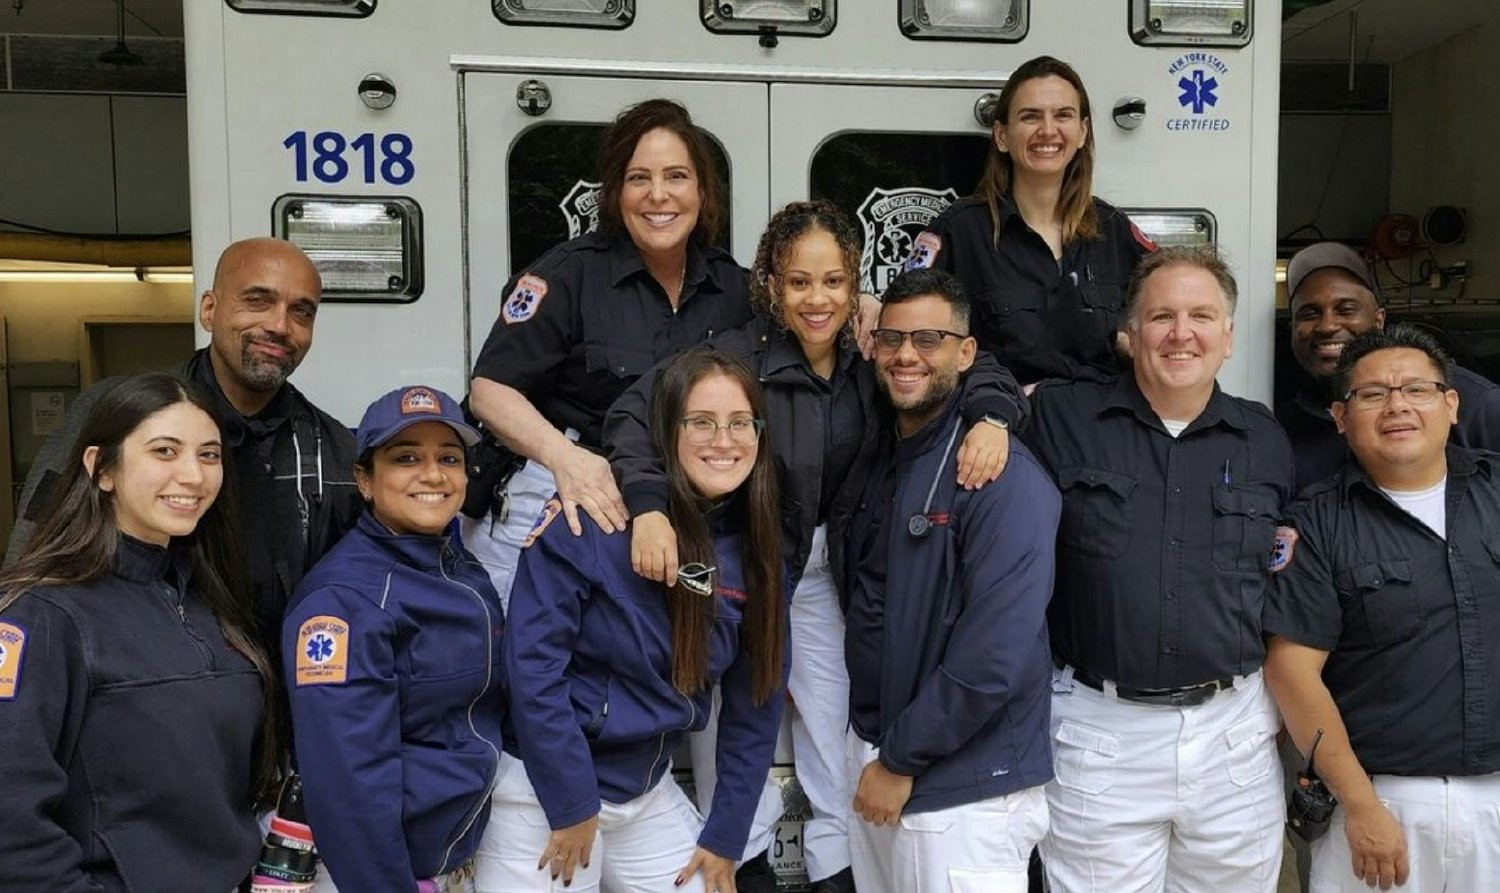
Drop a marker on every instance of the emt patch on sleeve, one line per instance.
(12, 649)
(550, 511)
(924, 251)
(1281, 551)
(524, 299)
(323, 651)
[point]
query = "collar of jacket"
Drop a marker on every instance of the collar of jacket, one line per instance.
(420, 551)
(237, 428)
(625, 261)
(1312, 399)
(1127, 397)
(143, 562)
(933, 434)
(1462, 463)
(783, 353)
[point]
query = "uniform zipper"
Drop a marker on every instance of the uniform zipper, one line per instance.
(489, 661)
(175, 600)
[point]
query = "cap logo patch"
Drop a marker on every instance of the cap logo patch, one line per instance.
(1282, 549)
(12, 649)
(420, 400)
(550, 511)
(924, 251)
(524, 299)
(323, 651)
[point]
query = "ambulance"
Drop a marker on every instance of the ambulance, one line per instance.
(422, 151)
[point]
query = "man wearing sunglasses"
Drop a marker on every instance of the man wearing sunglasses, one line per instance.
(945, 639)
(1167, 774)
(1385, 625)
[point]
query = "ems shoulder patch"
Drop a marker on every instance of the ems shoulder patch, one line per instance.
(523, 301)
(924, 251)
(323, 651)
(417, 400)
(550, 511)
(12, 650)
(1142, 239)
(1281, 551)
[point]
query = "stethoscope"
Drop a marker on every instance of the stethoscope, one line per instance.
(919, 525)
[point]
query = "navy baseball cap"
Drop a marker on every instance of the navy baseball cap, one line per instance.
(404, 407)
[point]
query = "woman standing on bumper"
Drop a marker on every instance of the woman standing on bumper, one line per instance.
(582, 323)
(133, 696)
(608, 671)
(1044, 262)
(391, 648)
(819, 392)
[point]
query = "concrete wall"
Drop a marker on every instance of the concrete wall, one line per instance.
(1445, 127)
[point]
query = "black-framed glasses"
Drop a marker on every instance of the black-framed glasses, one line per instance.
(703, 430)
(1374, 396)
(924, 340)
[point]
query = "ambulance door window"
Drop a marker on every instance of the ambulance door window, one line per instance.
(554, 190)
(893, 184)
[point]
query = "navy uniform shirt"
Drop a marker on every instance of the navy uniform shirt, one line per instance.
(1164, 542)
(1320, 450)
(1041, 317)
(586, 320)
(1412, 622)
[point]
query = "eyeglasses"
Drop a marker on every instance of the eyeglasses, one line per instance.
(1374, 396)
(924, 340)
(703, 430)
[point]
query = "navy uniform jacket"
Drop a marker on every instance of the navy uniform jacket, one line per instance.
(1319, 449)
(1040, 317)
(392, 662)
(1411, 621)
(816, 427)
(957, 689)
(583, 322)
(127, 729)
(590, 665)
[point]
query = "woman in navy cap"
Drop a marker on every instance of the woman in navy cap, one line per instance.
(391, 648)
(609, 671)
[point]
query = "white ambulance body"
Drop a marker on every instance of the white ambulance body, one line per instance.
(420, 211)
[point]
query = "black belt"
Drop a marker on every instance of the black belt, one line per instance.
(1186, 696)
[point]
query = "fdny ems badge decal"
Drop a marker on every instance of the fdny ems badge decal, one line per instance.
(12, 649)
(1281, 552)
(580, 207)
(420, 400)
(523, 301)
(323, 651)
(550, 511)
(893, 221)
(924, 252)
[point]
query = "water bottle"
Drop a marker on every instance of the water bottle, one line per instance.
(288, 862)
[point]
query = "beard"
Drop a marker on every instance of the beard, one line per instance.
(941, 383)
(263, 373)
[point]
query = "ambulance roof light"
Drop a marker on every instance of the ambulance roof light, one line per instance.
(566, 13)
(997, 21)
(367, 250)
(1215, 23)
(804, 18)
(350, 8)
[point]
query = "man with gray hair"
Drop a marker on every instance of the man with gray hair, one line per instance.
(1167, 774)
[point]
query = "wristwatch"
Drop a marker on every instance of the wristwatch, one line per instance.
(1000, 423)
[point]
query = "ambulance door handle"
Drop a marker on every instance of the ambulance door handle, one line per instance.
(984, 109)
(533, 98)
(1130, 112)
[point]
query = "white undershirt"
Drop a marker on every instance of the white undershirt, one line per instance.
(1428, 506)
(1174, 427)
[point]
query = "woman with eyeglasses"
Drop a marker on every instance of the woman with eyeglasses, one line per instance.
(1044, 261)
(608, 670)
(819, 391)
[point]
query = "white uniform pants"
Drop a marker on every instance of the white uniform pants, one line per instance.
(639, 848)
(1452, 830)
(982, 847)
(1178, 799)
(496, 542)
(819, 686)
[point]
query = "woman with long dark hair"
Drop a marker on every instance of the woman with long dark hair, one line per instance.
(608, 671)
(1043, 260)
(136, 717)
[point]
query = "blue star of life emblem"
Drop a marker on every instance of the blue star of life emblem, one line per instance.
(1198, 91)
(319, 648)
